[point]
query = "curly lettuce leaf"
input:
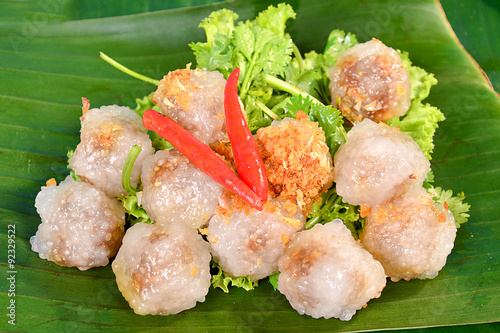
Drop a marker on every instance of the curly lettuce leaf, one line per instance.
(421, 81)
(273, 280)
(275, 18)
(222, 280)
(456, 204)
(420, 122)
(135, 212)
(338, 42)
(145, 103)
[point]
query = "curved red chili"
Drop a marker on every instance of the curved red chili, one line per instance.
(200, 155)
(249, 163)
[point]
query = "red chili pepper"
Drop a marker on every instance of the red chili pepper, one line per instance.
(200, 155)
(249, 163)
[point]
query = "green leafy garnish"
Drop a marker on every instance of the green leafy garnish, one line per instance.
(338, 42)
(328, 118)
(217, 52)
(332, 207)
(145, 103)
(421, 81)
(222, 280)
(420, 122)
(135, 212)
(257, 47)
(71, 171)
(130, 202)
(273, 279)
(311, 74)
(456, 204)
(127, 169)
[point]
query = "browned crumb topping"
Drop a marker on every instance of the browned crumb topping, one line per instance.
(290, 207)
(291, 221)
(239, 205)
(224, 149)
(271, 207)
(297, 159)
(389, 213)
(175, 89)
(85, 107)
(222, 212)
(233, 204)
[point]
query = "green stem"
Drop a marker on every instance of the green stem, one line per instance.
(287, 87)
(246, 81)
(297, 54)
(266, 110)
(128, 71)
(331, 201)
(127, 169)
(312, 222)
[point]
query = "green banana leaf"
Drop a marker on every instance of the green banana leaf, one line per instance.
(475, 23)
(49, 59)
